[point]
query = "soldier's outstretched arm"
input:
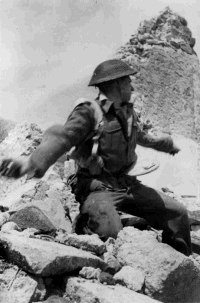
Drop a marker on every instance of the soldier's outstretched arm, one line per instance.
(164, 144)
(57, 140)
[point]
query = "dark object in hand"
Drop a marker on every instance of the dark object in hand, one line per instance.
(174, 151)
(10, 168)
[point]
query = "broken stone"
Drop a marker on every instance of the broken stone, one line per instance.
(186, 48)
(46, 258)
(110, 245)
(106, 278)
(4, 217)
(82, 291)
(162, 266)
(86, 242)
(90, 273)
(175, 44)
(16, 286)
(56, 299)
(33, 217)
(7, 275)
(9, 227)
(192, 42)
(195, 229)
(30, 232)
(112, 264)
(40, 291)
(131, 278)
(195, 239)
(183, 21)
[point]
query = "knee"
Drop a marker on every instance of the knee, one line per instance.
(103, 219)
(104, 228)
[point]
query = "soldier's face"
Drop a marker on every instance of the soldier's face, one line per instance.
(125, 88)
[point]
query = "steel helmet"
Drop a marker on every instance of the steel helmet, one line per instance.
(110, 70)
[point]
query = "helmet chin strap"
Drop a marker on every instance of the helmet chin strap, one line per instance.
(119, 89)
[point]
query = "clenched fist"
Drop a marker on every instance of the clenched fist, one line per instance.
(14, 168)
(175, 150)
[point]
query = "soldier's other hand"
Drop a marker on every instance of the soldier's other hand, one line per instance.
(13, 168)
(175, 150)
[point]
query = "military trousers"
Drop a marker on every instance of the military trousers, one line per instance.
(100, 213)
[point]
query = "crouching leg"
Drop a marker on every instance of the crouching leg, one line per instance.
(98, 215)
(177, 229)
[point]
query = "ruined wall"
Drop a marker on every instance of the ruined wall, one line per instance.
(168, 81)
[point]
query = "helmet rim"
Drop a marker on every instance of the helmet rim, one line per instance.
(110, 70)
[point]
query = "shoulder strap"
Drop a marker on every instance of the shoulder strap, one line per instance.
(98, 114)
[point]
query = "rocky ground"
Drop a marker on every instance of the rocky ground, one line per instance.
(42, 260)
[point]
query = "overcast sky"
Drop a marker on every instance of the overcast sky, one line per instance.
(49, 45)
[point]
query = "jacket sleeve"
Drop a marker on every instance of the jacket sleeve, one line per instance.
(59, 139)
(164, 144)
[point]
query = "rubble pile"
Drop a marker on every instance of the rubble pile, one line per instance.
(43, 260)
(35, 268)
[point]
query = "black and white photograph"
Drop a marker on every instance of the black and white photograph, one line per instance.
(99, 151)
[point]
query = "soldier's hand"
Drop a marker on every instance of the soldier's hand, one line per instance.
(14, 168)
(175, 150)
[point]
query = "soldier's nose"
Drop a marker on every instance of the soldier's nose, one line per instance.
(132, 88)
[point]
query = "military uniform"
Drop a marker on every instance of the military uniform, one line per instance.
(102, 186)
(102, 196)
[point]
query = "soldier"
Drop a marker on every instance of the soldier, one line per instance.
(105, 133)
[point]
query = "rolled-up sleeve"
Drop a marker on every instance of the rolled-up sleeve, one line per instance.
(164, 144)
(59, 139)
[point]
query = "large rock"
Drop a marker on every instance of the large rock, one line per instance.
(46, 258)
(90, 243)
(169, 74)
(131, 278)
(162, 266)
(4, 217)
(83, 291)
(18, 287)
(33, 217)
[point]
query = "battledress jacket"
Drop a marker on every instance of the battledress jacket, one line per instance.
(116, 146)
